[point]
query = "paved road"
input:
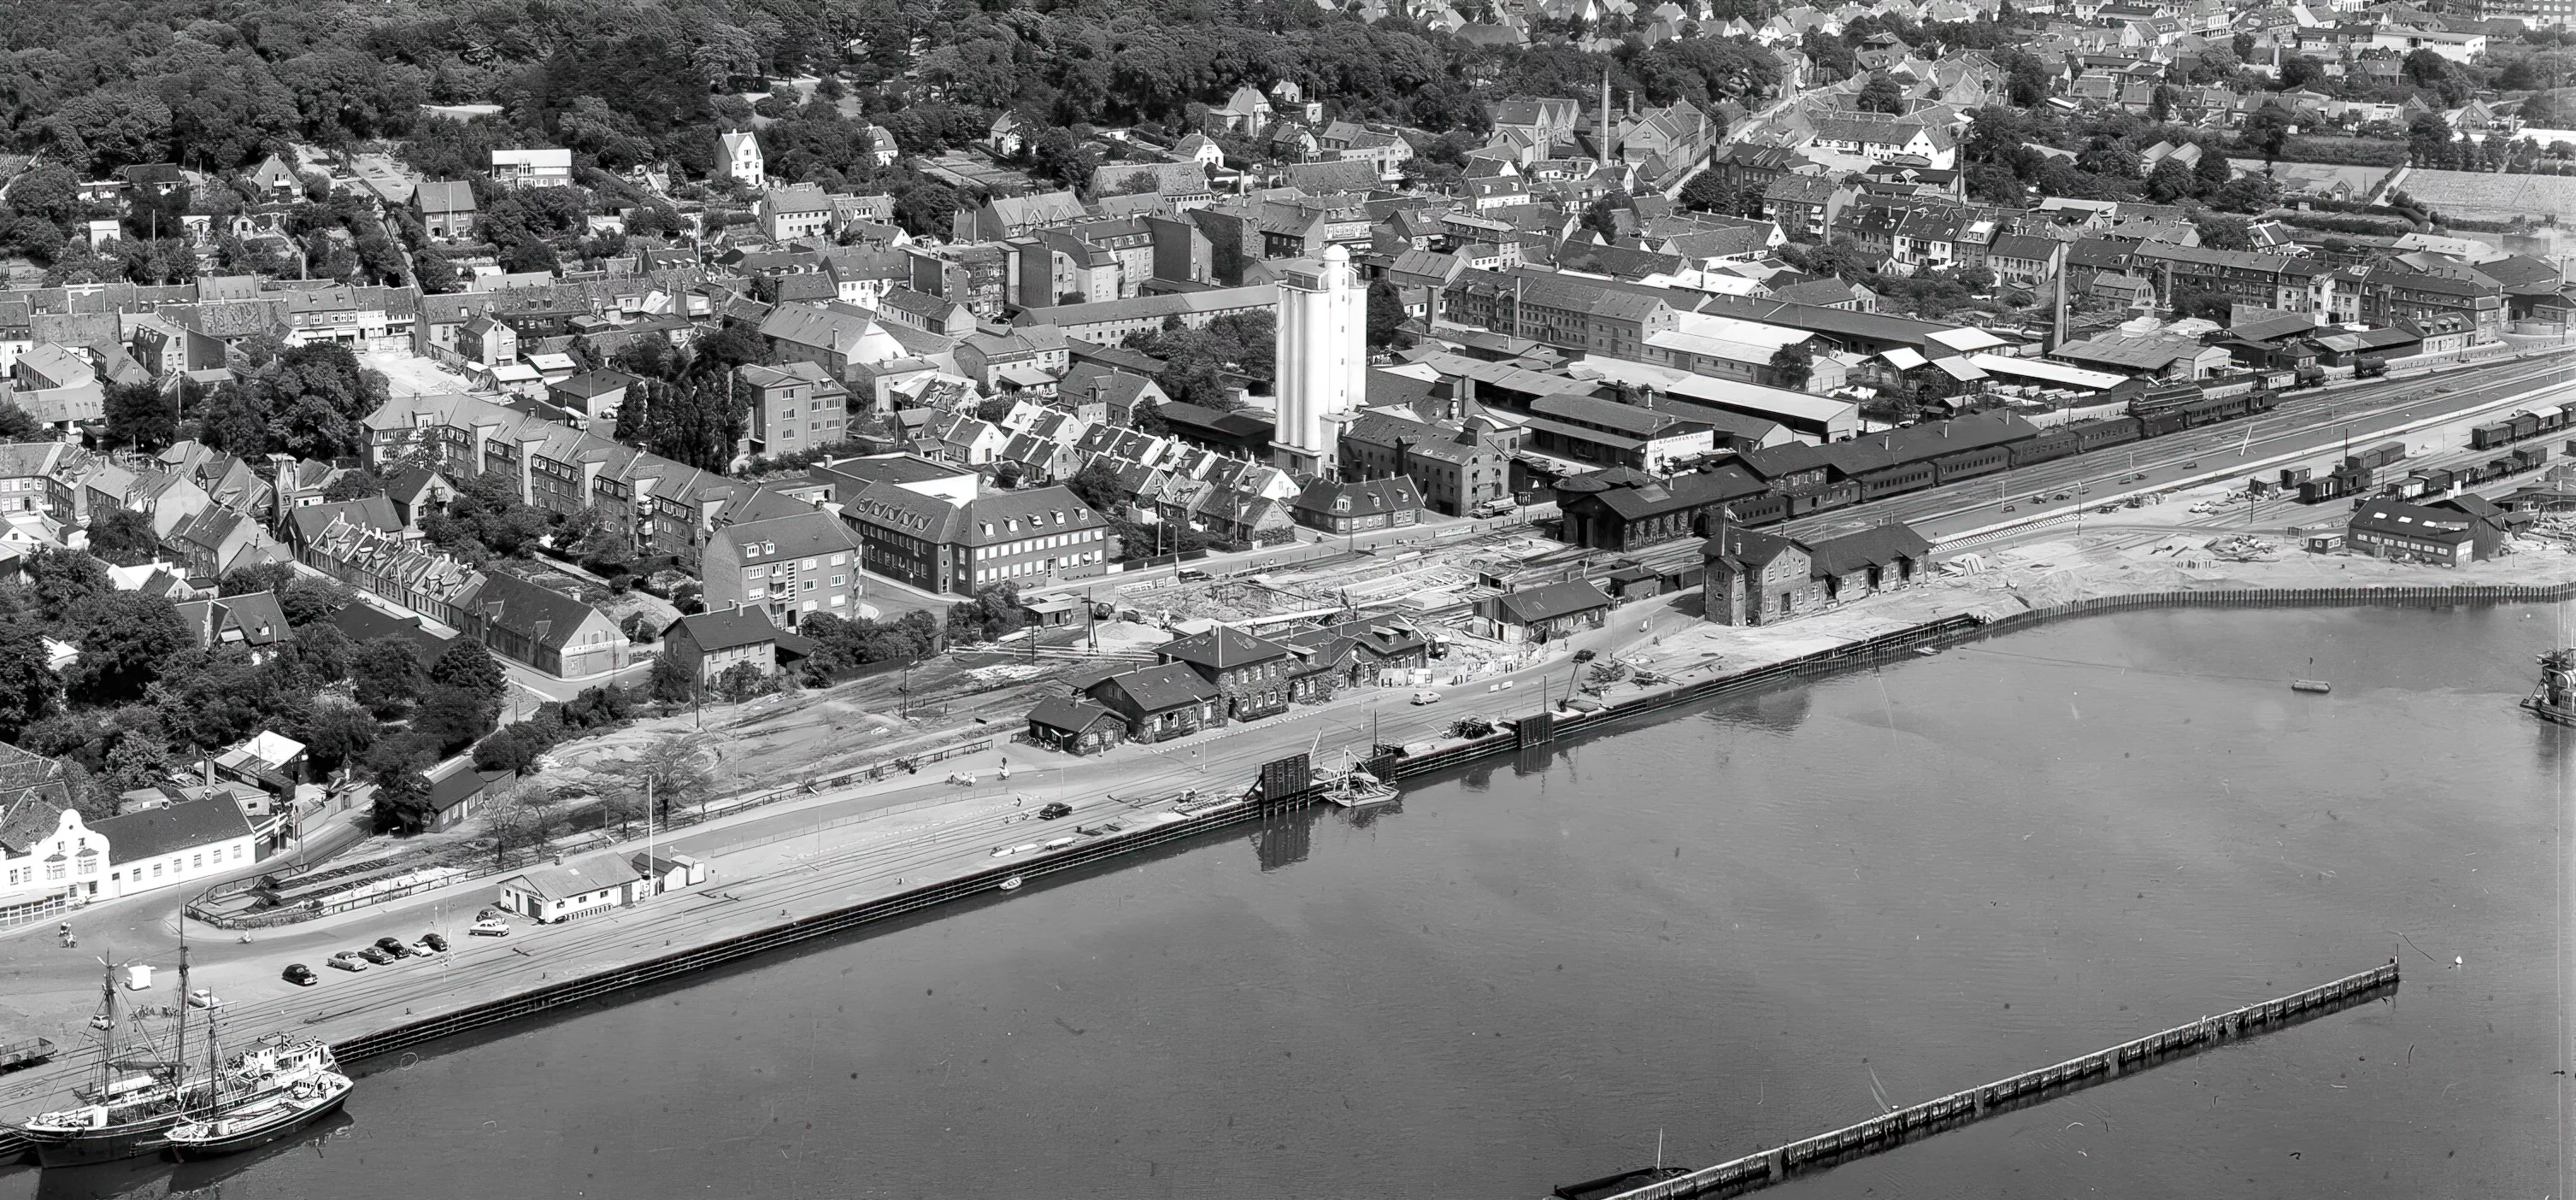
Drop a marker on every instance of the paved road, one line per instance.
(2321, 422)
(755, 884)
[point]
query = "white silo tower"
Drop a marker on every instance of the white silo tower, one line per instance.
(1323, 358)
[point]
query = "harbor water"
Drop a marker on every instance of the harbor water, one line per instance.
(1734, 926)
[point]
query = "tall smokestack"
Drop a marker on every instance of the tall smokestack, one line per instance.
(1605, 114)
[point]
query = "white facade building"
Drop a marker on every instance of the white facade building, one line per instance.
(742, 158)
(1322, 356)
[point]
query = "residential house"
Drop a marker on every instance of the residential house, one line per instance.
(1538, 615)
(543, 628)
(785, 567)
(1075, 725)
(1161, 702)
(533, 168)
(253, 621)
(708, 644)
(794, 406)
(446, 208)
(1358, 506)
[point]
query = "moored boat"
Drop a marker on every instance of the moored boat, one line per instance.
(274, 1114)
(131, 1101)
(2554, 699)
(280, 1085)
(1355, 789)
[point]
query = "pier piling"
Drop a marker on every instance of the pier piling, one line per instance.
(1890, 1130)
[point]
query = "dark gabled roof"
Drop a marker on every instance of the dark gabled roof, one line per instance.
(2412, 520)
(1532, 605)
(1876, 546)
(593, 383)
(547, 617)
(464, 785)
(1154, 689)
(1367, 497)
(1746, 547)
(364, 622)
(1221, 648)
(1727, 482)
(259, 617)
(727, 630)
(155, 832)
(1071, 714)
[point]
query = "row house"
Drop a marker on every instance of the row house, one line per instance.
(350, 548)
(1596, 316)
(658, 506)
(2438, 299)
(366, 317)
(1806, 207)
(2292, 283)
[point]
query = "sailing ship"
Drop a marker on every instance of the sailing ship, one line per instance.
(130, 1103)
(2554, 699)
(279, 1087)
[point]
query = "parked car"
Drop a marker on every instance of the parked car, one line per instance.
(393, 946)
(347, 960)
(204, 998)
(437, 942)
(1191, 575)
(1494, 508)
(1055, 810)
(491, 927)
(373, 955)
(301, 975)
(420, 950)
(1425, 696)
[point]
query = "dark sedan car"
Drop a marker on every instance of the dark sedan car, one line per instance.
(301, 975)
(373, 955)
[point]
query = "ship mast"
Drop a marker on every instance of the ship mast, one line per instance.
(214, 1065)
(107, 1038)
(179, 1052)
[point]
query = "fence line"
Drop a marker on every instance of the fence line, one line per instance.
(678, 819)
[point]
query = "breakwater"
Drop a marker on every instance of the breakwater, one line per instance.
(1896, 1128)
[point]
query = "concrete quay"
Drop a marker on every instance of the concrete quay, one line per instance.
(830, 864)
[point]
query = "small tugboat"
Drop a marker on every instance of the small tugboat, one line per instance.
(279, 1087)
(2554, 699)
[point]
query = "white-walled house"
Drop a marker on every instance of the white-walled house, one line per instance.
(183, 843)
(53, 860)
(49, 859)
(559, 892)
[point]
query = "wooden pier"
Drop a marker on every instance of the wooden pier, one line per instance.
(1904, 1125)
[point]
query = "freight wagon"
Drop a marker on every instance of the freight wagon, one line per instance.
(2520, 427)
(2377, 456)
